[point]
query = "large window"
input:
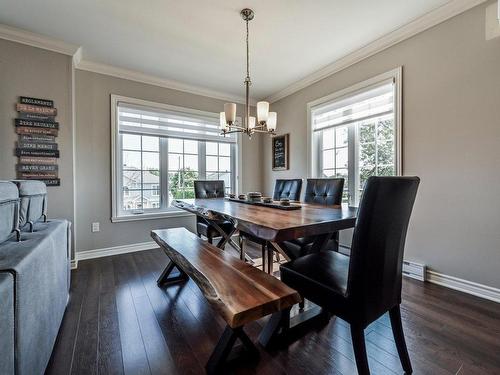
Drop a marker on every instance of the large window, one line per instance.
(158, 152)
(356, 133)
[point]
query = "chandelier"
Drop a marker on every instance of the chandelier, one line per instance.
(265, 121)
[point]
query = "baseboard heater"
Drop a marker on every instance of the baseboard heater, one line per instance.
(414, 270)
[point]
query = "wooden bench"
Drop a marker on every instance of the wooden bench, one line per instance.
(239, 292)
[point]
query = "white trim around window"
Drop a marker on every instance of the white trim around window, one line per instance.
(343, 96)
(170, 127)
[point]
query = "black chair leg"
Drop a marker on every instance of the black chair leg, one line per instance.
(399, 338)
(210, 240)
(358, 343)
(270, 261)
(264, 260)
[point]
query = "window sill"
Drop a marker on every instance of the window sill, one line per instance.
(151, 216)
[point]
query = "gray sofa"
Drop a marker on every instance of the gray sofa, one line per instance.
(34, 277)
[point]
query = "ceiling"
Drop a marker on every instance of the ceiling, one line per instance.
(201, 43)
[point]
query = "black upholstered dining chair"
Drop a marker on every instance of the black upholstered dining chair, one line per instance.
(283, 188)
(365, 286)
(322, 191)
(208, 189)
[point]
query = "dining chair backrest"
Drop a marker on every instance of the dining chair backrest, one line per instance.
(326, 191)
(290, 189)
(376, 260)
(206, 189)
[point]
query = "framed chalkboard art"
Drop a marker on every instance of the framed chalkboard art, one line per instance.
(280, 152)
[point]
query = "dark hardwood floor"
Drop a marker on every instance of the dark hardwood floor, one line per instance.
(119, 322)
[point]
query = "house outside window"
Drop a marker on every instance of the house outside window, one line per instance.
(356, 133)
(158, 152)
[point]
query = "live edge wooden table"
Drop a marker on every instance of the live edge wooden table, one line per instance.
(272, 224)
(275, 226)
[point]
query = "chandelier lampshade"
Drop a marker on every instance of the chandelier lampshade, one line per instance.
(272, 121)
(262, 111)
(230, 112)
(251, 122)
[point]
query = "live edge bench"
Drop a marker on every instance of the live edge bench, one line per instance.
(239, 292)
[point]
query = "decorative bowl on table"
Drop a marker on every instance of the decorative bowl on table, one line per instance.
(242, 196)
(285, 202)
(254, 196)
(267, 199)
(231, 195)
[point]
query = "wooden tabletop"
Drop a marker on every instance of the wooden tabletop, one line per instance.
(272, 224)
(240, 292)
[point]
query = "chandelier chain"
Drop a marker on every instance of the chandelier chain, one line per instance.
(248, 55)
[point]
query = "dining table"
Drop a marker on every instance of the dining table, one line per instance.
(275, 225)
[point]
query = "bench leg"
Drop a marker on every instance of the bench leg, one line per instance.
(278, 322)
(165, 279)
(225, 345)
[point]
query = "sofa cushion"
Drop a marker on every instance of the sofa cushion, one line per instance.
(9, 209)
(33, 197)
(39, 264)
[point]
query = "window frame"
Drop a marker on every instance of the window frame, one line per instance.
(164, 211)
(314, 146)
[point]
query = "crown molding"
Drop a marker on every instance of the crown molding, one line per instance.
(44, 42)
(77, 57)
(428, 20)
(137, 76)
(36, 40)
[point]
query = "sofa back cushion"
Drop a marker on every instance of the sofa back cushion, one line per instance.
(9, 209)
(33, 197)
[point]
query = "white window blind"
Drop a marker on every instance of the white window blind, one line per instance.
(371, 103)
(355, 133)
(172, 123)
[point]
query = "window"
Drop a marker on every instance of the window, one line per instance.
(356, 134)
(158, 152)
(218, 163)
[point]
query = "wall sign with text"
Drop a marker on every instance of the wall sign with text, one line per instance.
(37, 148)
(280, 152)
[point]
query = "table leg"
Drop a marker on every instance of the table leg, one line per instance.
(280, 250)
(242, 247)
(264, 252)
(282, 325)
(320, 242)
(270, 261)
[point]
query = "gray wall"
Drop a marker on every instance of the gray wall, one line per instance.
(93, 158)
(30, 71)
(451, 126)
(451, 118)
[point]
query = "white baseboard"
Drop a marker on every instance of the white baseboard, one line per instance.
(115, 250)
(469, 287)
